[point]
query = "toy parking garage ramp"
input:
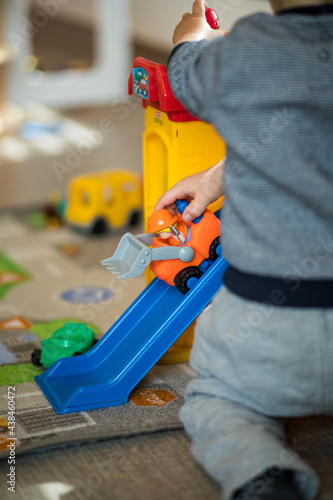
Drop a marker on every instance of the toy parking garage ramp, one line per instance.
(106, 375)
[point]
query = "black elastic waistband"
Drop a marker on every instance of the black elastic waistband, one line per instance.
(288, 292)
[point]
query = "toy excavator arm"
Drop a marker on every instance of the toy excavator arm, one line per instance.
(133, 256)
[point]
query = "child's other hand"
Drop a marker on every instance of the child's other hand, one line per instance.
(194, 27)
(203, 188)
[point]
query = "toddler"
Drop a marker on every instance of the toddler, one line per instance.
(263, 348)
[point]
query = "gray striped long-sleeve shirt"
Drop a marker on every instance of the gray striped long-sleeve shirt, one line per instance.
(268, 90)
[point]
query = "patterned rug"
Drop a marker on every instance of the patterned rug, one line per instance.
(135, 451)
(49, 277)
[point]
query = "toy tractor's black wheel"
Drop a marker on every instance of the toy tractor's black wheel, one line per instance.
(135, 218)
(215, 249)
(99, 227)
(35, 357)
(186, 278)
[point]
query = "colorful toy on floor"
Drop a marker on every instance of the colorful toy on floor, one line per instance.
(100, 201)
(170, 132)
(175, 144)
(106, 375)
(70, 340)
(177, 260)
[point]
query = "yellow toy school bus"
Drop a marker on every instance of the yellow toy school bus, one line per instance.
(108, 199)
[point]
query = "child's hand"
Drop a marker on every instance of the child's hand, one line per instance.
(203, 188)
(194, 27)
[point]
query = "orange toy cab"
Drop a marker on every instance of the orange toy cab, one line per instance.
(177, 253)
(202, 234)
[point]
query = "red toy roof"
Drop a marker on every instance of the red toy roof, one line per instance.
(150, 81)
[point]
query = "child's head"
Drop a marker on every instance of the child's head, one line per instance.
(278, 5)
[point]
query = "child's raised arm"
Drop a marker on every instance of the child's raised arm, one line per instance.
(194, 27)
(202, 188)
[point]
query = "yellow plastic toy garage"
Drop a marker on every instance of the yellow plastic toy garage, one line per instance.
(175, 144)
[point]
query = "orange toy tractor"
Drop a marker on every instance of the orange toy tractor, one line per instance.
(177, 253)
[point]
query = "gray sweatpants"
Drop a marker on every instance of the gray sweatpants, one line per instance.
(257, 364)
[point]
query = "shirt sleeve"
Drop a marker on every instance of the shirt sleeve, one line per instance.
(194, 71)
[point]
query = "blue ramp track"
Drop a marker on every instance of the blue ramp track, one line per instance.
(106, 374)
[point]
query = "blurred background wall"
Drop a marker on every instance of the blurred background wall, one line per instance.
(64, 64)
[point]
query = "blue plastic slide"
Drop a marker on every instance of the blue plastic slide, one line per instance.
(107, 374)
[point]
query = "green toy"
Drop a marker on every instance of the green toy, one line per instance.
(70, 340)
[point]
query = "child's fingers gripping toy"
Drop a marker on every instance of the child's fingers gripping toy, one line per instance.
(180, 253)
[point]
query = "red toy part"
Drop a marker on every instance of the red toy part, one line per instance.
(212, 18)
(149, 80)
(202, 238)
